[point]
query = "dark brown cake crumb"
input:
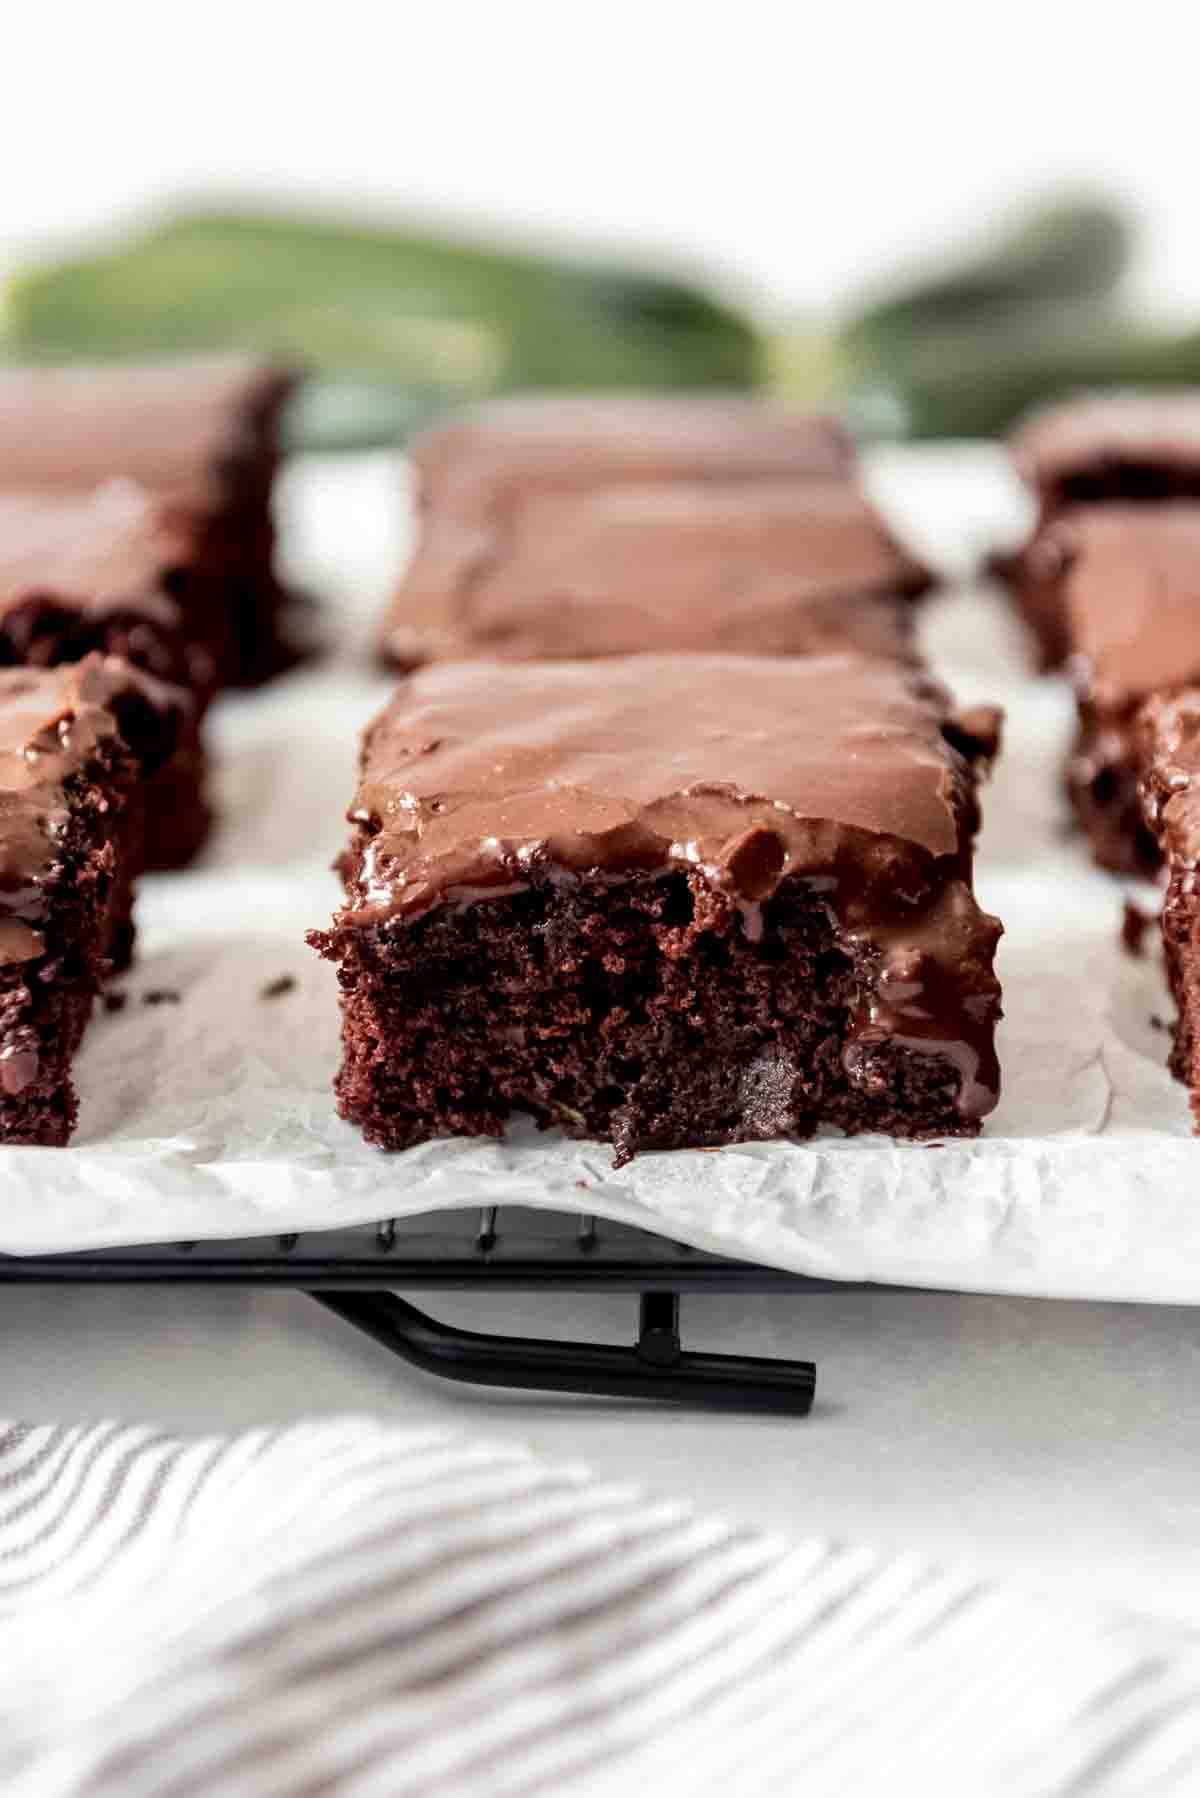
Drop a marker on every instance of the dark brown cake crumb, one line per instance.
(1168, 743)
(1134, 924)
(275, 989)
(115, 1001)
(161, 995)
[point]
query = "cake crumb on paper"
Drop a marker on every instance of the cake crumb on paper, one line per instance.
(1134, 924)
(275, 989)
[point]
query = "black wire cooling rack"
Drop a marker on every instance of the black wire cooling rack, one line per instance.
(355, 1273)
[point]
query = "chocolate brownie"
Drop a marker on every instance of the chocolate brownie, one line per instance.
(120, 571)
(666, 901)
(76, 742)
(1123, 448)
(1168, 743)
(204, 432)
(1128, 595)
(554, 440)
(772, 567)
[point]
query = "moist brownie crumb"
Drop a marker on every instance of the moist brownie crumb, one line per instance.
(161, 995)
(115, 1001)
(665, 902)
(1168, 742)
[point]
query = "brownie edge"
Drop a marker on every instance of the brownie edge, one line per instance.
(666, 902)
(1168, 738)
(76, 745)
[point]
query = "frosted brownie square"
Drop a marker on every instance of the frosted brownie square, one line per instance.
(666, 901)
(765, 567)
(204, 432)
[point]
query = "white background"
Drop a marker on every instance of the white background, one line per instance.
(798, 149)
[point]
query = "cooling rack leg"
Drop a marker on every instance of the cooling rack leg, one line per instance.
(656, 1367)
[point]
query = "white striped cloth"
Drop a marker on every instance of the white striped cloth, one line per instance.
(346, 1608)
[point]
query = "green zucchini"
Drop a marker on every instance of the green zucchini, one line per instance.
(1065, 251)
(977, 383)
(396, 323)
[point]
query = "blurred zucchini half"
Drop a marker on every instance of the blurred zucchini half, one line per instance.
(1029, 316)
(395, 324)
(1062, 252)
(977, 384)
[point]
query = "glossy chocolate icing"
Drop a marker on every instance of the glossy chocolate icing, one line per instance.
(53, 724)
(554, 440)
(197, 428)
(1130, 578)
(772, 567)
(116, 548)
(743, 771)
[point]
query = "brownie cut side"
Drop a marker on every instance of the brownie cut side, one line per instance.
(204, 434)
(1035, 577)
(1168, 741)
(76, 742)
(120, 572)
(666, 902)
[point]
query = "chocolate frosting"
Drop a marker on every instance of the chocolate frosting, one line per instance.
(775, 567)
(574, 439)
(54, 722)
(109, 569)
(1098, 434)
(113, 549)
(747, 771)
(191, 427)
(1131, 592)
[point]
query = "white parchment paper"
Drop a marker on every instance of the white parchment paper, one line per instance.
(210, 1114)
